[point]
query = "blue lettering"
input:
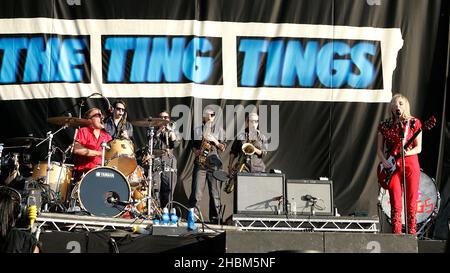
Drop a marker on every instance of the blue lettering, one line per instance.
(119, 47)
(164, 61)
(333, 73)
(274, 59)
(366, 68)
(140, 58)
(41, 63)
(252, 49)
(11, 49)
(293, 62)
(195, 67)
(301, 63)
(160, 59)
(71, 61)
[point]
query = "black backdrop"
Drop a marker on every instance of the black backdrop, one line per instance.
(336, 139)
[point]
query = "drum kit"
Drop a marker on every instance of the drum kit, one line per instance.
(428, 203)
(119, 185)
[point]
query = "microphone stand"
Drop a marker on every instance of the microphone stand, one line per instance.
(81, 104)
(103, 152)
(402, 151)
(150, 134)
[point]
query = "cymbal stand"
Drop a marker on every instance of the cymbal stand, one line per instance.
(51, 151)
(49, 137)
(150, 134)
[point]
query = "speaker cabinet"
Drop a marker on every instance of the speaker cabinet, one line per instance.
(312, 197)
(259, 193)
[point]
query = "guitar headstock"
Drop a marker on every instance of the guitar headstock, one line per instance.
(429, 123)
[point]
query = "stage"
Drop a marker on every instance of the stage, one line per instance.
(63, 233)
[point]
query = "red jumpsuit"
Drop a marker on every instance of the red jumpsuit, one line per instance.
(391, 134)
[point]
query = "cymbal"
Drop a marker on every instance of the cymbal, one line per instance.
(150, 122)
(19, 141)
(70, 121)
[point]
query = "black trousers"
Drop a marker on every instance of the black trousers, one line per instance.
(201, 177)
(165, 181)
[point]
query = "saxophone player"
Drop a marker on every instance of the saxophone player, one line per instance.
(249, 148)
(209, 141)
(117, 125)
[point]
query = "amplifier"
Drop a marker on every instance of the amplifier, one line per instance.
(260, 193)
(312, 197)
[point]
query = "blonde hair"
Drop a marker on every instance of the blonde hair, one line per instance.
(406, 114)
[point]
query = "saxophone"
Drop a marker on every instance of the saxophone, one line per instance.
(205, 147)
(122, 125)
(247, 149)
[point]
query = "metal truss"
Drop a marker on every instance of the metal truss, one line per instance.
(306, 223)
(68, 222)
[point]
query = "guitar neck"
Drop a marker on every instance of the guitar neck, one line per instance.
(397, 156)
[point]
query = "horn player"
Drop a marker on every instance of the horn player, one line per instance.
(251, 145)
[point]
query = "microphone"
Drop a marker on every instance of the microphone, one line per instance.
(83, 101)
(398, 112)
(106, 146)
(308, 198)
(116, 201)
(278, 198)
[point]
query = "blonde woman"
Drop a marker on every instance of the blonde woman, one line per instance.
(390, 141)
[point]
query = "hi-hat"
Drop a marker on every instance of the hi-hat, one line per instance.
(150, 122)
(70, 121)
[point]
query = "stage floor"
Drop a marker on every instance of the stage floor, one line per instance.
(63, 233)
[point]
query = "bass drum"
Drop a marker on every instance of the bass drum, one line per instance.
(428, 201)
(101, 189)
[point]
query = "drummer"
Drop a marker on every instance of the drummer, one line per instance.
(117, 125)
(88, 144)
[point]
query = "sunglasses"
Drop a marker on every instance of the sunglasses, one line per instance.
(98, 115)
(120, 109)
(164, 117)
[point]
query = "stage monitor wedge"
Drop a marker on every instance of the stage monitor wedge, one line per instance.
(312, 197)
(259, 193)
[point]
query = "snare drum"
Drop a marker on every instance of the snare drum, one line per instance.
(121, 156)
(58, 179)
(101, 190)
(427, 203)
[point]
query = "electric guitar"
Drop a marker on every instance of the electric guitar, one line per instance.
(385, 174)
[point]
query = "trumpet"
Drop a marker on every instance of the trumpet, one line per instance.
(171, 126)
(248, 148)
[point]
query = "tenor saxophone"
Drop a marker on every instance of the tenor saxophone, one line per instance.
(247, 150)
(205, 149)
